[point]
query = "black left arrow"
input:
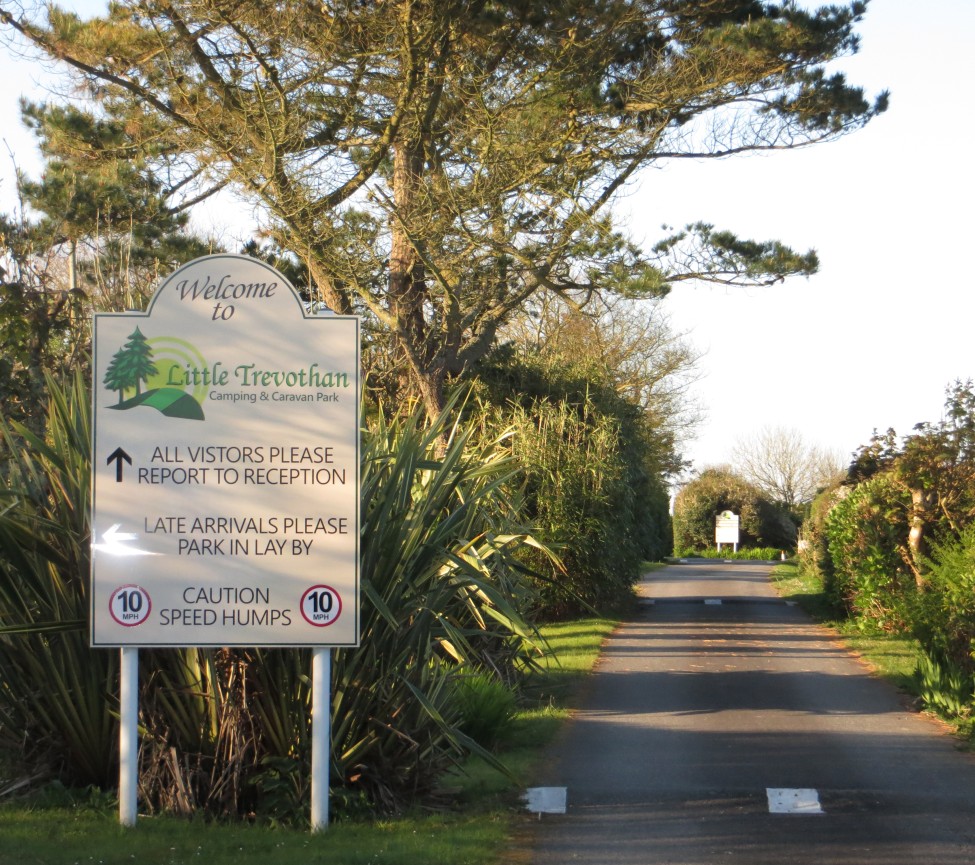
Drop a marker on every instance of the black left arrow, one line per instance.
(118, 456)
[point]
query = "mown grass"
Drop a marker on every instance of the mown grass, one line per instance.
(168, 841)
(54, 826)
(80, 836)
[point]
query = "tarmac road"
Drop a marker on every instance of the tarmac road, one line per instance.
(698, 708)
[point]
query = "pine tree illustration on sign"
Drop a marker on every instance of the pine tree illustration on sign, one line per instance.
(132, 365)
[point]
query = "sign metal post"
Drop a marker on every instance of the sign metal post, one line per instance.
(128, 736)
(321, 722)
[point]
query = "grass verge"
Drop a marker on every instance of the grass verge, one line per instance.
(56, 826)
(892, 656)
(573, 651)
(81, 836)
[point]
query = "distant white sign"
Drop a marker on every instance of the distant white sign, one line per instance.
(726, 528)
(226, 466)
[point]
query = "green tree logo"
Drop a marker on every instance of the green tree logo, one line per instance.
(132, 365)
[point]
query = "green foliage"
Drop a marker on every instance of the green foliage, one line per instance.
(492, 139)
(592, 477)
(67, 724)
(814, 557)
(935, 466)
(98, 195)
(38, 326)
(942, 615)
(944, 688)
(941, 455)
(722, 256)
(749, 554)
(717, 489)
(98, 233)
(487, 708)
(871, 539)
(55, 823)
(444, 593)
(443, 596)
(869, 542)
(574, 478)
(866, 533)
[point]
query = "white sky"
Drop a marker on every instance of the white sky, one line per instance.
(872, 340)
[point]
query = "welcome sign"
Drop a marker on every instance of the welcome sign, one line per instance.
(225, 466)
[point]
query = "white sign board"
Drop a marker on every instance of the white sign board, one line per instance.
(726, 528)
(225, 466)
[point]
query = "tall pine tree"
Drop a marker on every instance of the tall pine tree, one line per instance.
(438, 162)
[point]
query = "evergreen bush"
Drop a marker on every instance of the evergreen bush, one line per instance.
(942, 615)
(813, 553)
(592, 480)
(717, 489)
(866, 532)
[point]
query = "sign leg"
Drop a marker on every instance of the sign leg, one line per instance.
(321, 689)
(129, 737)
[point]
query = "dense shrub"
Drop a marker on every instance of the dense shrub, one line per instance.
(866, 532)
(942, 616)
(57, 711)
(584, 500)
(444, 595)
(592, 478)
(750, 554)
(813, 552)
(895, 546)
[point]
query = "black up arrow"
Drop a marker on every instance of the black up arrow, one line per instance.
(118, 456)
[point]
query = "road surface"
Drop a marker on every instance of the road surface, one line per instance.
(721, 704)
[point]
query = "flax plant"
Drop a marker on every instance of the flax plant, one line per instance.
(56, 707)
(443, 594)
(226, 731)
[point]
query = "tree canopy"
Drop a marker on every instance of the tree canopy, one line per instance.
(934, 466)
(437, 162)
(785, 467)
(92, 233)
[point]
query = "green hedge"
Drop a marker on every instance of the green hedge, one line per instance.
(755, 554)
(866, 532)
